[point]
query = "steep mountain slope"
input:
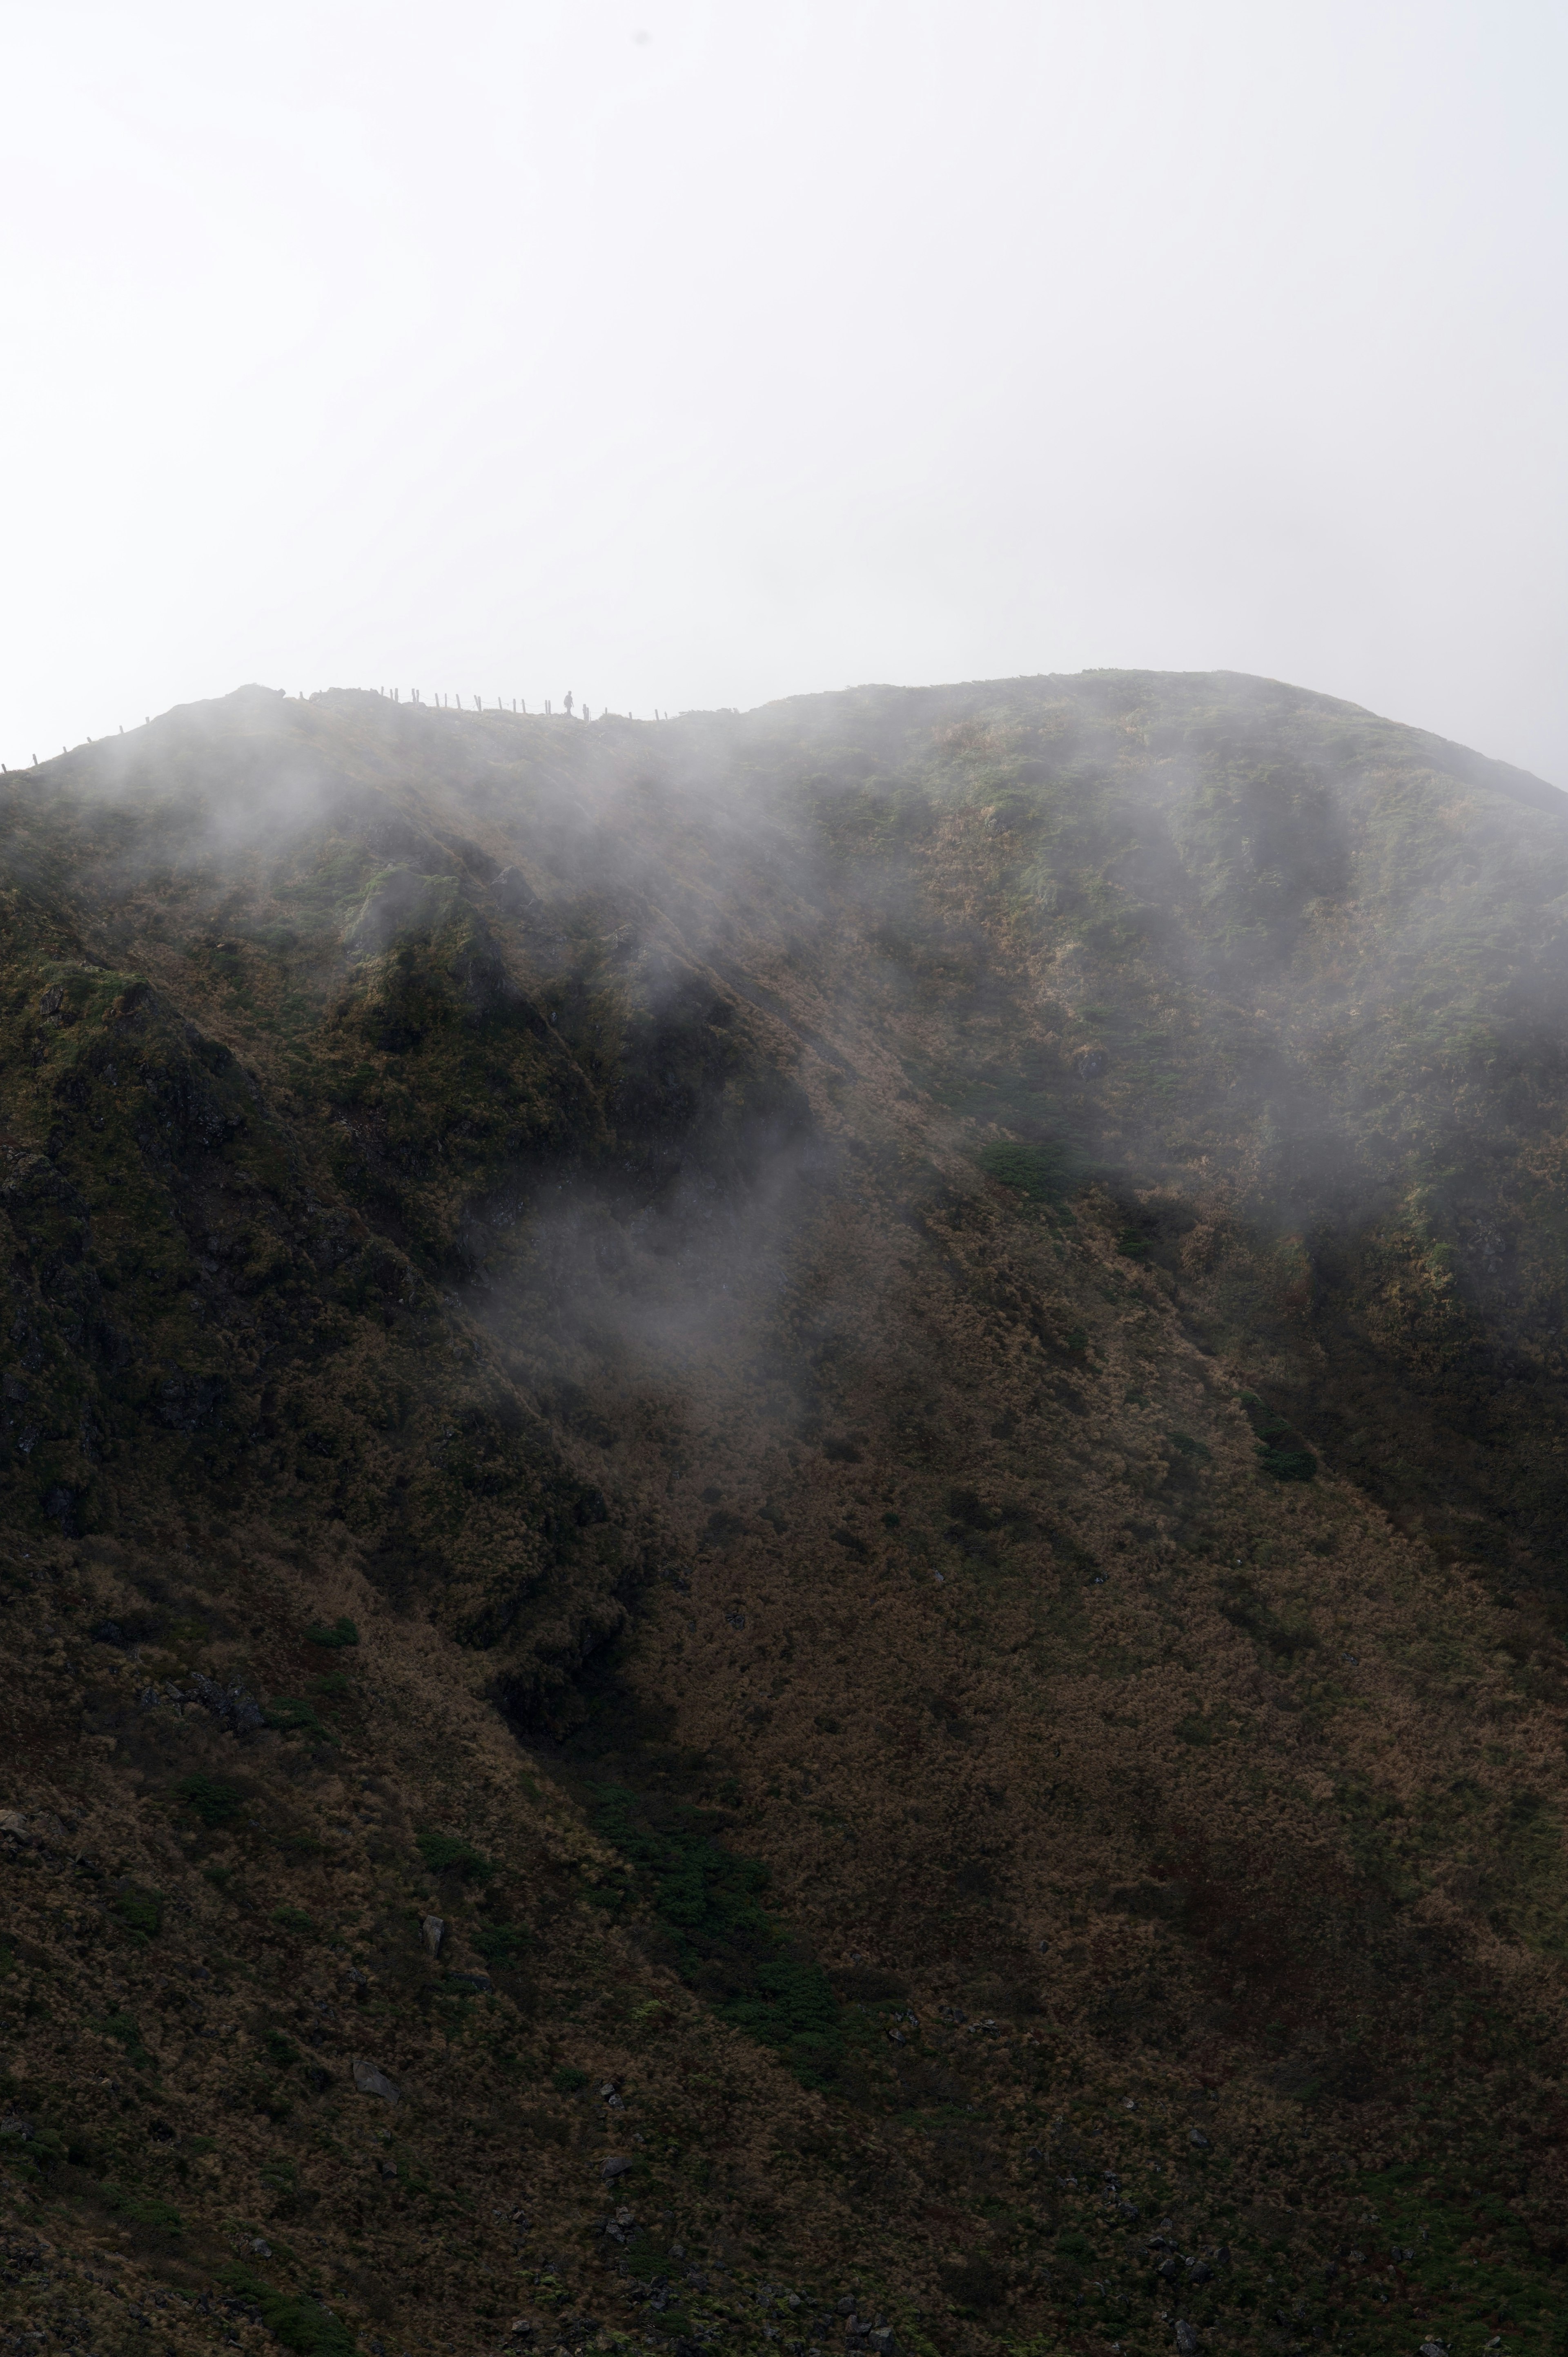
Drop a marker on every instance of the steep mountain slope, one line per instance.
(874, 1393)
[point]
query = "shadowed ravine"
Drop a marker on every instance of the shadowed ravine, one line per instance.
(786, 1529)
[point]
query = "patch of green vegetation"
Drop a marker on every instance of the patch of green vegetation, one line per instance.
(1530, 1878)
(1042, 1173)
(502, 1943)
(1281, 1449)
(1287, 1464)
(727, 1945)
(297, 1844)
(293, 1919)
(293, 1717)
(648, 2260)
(446, 1854)
(46, 2149)
(144, 2209)
(300, 2323)
(566, 2078)
(124, 2027)
(213, 1798)
(1446, 2228)
(1186, 1446)
(341, 1632)
(141, 1912)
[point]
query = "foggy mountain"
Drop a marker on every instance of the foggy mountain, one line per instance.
(786, 1527)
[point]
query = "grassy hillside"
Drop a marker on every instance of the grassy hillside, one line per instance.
(783, 1551)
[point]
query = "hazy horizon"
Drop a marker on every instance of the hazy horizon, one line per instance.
(686, 358)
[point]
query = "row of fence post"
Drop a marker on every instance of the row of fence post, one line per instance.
(442, 703)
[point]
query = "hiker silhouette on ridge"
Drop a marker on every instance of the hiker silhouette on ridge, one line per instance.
(567, 703)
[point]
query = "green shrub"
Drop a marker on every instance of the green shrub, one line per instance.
(647, 2260)
(794, 2006)
(1043, 1173)
(342, 1632)
(1287, 1464)
(1281, 1450)
(141, 1912)
(293, 1919)
(45, 2149)
(123, 2026)
(143, 2209)
(502, 1943)
(214, 1799)
(1186, 1445)
(301, 2324)
(727, 1944)
(445, 1854)
(567, 2079)
(293, 1717)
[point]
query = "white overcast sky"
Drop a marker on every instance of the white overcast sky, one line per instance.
(684, 354)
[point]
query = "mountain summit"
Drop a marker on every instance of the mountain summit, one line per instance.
(786, 1531)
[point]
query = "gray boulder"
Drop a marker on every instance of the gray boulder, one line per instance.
(232, 1707)
(371, 2082)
